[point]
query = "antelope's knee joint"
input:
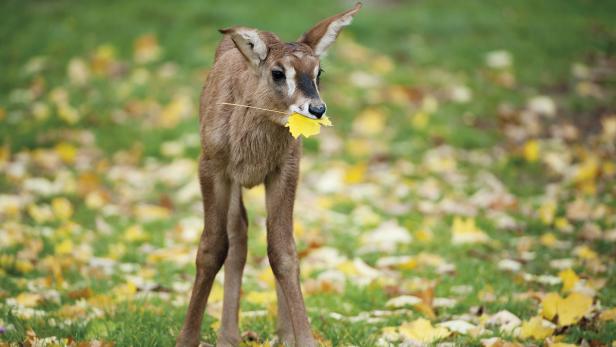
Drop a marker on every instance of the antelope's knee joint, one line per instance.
(211, 258)
(282, 261)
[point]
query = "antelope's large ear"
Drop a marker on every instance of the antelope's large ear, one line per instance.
(249, 42)
(325, 32)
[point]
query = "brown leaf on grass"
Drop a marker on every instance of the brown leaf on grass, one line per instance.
(82, 293)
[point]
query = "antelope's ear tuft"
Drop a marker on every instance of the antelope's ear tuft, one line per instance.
(325, 32)
(249, 42)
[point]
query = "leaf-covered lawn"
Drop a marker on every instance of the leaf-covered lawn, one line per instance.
(464, 196)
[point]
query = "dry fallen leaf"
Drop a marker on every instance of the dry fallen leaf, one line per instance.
(536, 328)
(421, 330)
(28, 299)
(402, 301)
(62, 208)
(459, 326)
(569, 279)
(569, 310)
(465, 231)
(261, 298)
(505, 320)
(608, 315)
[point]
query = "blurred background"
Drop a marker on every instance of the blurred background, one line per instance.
(468, 180)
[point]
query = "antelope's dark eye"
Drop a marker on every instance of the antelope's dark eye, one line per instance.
(278, 75)
(320, 72)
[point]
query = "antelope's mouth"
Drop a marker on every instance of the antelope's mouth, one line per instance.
(303, 110)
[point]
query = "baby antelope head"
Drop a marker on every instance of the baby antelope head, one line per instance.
(288, 73)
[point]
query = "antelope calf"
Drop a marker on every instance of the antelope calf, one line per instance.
(243, 147)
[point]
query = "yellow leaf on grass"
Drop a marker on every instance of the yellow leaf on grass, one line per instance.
(148, 212)
(548, 240)
(135, 233)
(302, 125)
(369, 122)
(66, 151)
(464, 230)
(531, 150)
(422, 330)
(267, 276)
(64, 247)
(261, 298)
(146, 48)
(547, 211)
(550, 305)
(420, 120)
(257, 344)
(562, 344)
(569, 310)
(569, 279)
(348, 268)
(587, 171)
(62, 208)
(355, 174)
(562, 224)
(216, 293)
(28, 299)
(426, 310)
(23, 266)
(574, 307)
(40, 213)
(409, 264)
(536, 328)
(608, 315)
(423, 235)
(585, 252)
(125, 291)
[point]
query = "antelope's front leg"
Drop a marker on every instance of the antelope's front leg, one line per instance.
(280, 195)
(284, 329)
(229, 334)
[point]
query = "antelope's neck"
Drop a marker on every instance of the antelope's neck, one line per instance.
(258, 147)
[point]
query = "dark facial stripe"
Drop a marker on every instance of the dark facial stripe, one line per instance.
(306, 85)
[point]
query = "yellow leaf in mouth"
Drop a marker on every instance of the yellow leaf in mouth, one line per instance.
(302, 125)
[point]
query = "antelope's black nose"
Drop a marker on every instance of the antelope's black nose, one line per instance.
(317, 110)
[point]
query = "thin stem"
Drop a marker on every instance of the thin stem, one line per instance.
(258, 108)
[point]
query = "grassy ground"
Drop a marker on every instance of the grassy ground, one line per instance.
(470, 170)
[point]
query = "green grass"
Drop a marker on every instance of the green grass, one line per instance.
(417, 49)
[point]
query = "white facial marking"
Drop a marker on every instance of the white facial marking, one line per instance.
(289, 72)
(330, 35)
(302, 109)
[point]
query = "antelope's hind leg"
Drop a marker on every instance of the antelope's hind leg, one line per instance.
(211, 254)
(237, 226)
